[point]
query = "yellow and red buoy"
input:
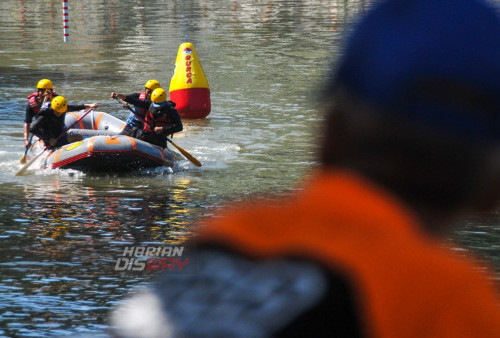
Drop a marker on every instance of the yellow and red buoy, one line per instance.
(189, 87)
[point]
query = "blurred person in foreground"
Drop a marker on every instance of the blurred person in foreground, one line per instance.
(411, 145)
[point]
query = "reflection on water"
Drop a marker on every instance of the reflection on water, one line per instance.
(132, 209)
(60, 248)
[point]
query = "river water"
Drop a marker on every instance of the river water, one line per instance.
(61, 231)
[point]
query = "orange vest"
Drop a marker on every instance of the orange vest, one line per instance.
(406, 283)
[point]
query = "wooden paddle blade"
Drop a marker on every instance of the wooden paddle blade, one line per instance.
(23, 159)
(27, 165)
(186, 154)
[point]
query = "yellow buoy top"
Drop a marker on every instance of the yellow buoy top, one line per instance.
(188, 72)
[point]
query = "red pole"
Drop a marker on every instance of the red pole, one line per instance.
(65, 21)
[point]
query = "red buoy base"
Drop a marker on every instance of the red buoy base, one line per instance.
(192, 103)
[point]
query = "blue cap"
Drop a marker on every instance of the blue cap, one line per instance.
(436, 62)
(159, 105)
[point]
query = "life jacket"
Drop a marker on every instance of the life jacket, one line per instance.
(406, 283)
(33, 102)
(35, 106)
(158, 117)
(139, 110)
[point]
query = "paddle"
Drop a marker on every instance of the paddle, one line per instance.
(23, 159)
(186, 154)
(183, 152)
(27, 165)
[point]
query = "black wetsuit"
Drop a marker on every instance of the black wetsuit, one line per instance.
(166, 116)
(50, 126)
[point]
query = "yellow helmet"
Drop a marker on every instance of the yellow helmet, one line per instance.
(59, 105)
(159, 95)
(152, 84)
(44, 84)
